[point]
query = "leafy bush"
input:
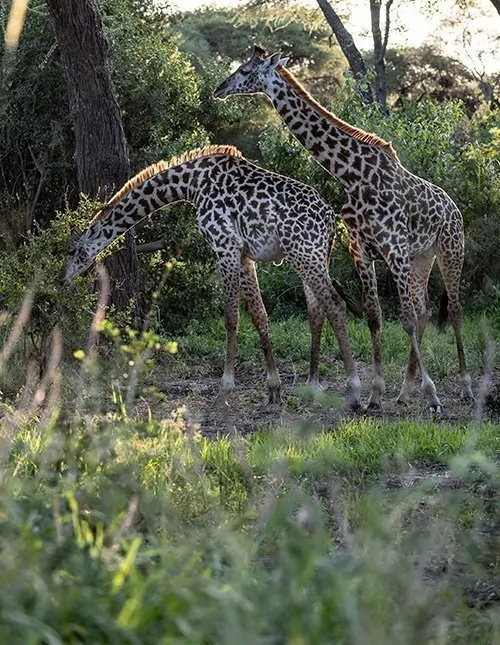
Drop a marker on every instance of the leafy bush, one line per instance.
(35, 266)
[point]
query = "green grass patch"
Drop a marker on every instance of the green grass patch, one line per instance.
(291, 342)
(121, 528)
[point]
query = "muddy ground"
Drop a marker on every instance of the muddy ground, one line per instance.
(195, 388)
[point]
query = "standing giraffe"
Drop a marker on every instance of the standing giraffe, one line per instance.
(247, 214)
(390, 215)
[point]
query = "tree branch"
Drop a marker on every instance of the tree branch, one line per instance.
(496, 4)
(149, 247)
(348, 47)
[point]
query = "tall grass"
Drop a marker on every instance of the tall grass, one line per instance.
(117, 527)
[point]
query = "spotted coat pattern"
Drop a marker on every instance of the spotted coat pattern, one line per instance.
(391, 214)
(248, 215)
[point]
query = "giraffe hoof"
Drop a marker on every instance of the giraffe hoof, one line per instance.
(401, 401)
(436, 408)
(373, 407)
(355, 406)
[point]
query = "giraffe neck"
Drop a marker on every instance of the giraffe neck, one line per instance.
(175, 184)
(341, 149)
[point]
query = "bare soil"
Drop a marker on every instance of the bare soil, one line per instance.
(195, 390)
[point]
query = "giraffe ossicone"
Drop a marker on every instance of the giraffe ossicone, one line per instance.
(248, 215)
(390, 214)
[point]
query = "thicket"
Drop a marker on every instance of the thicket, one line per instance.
(116, 527)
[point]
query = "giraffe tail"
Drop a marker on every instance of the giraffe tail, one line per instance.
(442, 318)
(353, 305)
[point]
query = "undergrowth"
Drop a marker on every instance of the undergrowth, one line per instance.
(119, 527)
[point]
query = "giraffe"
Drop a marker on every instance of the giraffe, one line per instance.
(248, 215)
(390, 214)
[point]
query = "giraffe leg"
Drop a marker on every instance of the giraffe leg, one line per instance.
(316, 320)
(315, 275)
(400, 269)
(258, 314)
(420, 269)
(450, 255)
(366, 272)
(229, 266)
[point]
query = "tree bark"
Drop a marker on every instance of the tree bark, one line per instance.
(349, 49)
(150, 247)
(101, 152)
(496, 4)
(380, 48)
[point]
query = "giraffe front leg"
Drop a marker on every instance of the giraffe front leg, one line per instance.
(366, 272)
(420, 269)
(258, 314)
(401, 273)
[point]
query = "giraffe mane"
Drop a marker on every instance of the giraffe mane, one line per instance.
(357, 133)
(160, 166)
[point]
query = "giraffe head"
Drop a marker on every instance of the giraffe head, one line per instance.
(253, 77)
(79, 258)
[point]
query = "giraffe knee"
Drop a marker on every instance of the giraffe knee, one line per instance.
(409, 324)
(374, 318)
(454, 313)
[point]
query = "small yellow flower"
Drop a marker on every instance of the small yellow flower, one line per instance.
(171, 347)
(79, 354)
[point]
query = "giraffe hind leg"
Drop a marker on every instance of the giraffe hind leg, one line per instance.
(450, 256)
(256, 309)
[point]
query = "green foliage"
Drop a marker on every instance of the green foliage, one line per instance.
(127, 531)
(156, 86)
(35, 267)
(35, 133)
(415, 72)
(296, 32)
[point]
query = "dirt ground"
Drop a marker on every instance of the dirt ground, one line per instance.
(247, 409)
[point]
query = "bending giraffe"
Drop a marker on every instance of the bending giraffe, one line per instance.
(248, 215)
(390, 214)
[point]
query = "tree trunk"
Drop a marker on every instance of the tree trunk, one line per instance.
(101, 152)
(380, 48)
(349, 49)
(496, 4)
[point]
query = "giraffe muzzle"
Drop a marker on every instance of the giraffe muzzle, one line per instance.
(220, 92)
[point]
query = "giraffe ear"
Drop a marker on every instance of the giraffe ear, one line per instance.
(283, 62)
(275, 60)
(258, 52)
